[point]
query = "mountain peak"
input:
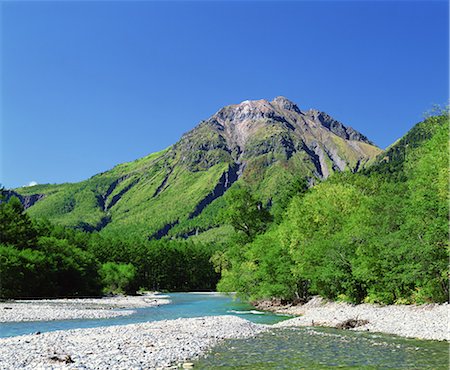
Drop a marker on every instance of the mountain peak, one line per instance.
(253, 103)
(240, 122)
(254, 128)
(246, 110)
(286, 104)
(265, 105)
(256, 109)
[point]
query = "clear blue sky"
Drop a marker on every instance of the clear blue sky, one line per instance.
(88, 85)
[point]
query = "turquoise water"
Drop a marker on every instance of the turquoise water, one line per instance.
(324, 348)
(183, 305)
(290, 348)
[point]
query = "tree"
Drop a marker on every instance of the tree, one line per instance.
(247, 215)
(24, 273)
(117, 277)
(297, 186)
(322, 232)
(248, 218)
(16, 227)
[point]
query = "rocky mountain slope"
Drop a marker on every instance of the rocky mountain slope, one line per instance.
(177, 192)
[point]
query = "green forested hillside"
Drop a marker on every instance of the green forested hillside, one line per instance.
(376, 236)
(38, 259)
(274, 201)
(139, 198)
(179, 192)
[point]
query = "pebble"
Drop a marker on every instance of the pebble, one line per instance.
(172, 343)
(150, 345)
(430, 321)
(70, 309)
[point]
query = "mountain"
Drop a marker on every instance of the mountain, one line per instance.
(178, 191)
(391, 162)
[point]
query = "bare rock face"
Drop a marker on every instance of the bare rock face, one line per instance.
(240, 121)
(26, 200)
(253, 128)
(336, 127)
(285, 104)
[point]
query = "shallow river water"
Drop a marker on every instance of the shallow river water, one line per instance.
(294, 348)
(325, 348)
(182, 305)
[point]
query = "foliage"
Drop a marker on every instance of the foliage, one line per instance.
(247, 215)
(15, 226)
(264, 270)
(33, 263)
(50, 261)
(23, 273)
(391, 162)
(162, 265)
(117, 277)
(377, 236)
(322, 232)
(248, 218)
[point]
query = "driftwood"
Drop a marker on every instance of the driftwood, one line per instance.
(351, 323)
(62, 358)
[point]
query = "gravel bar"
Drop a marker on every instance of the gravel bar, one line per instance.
(171, 343)
(430, 321)
(154, 345)
(70, 309)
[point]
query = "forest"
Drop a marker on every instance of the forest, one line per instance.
(376, 236)
(38, 259)
(379, 235)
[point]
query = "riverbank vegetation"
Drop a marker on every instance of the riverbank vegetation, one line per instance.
(377, 235)
(38, 259)
(380, 235)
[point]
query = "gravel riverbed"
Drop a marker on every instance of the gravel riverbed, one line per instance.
(160, 344)
(69, 309)
(429, 321)
(172, 343)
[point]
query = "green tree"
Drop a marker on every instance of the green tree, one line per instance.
(72, 271)
(322, 231)
(246, 214)
(426, 217)
(24, 273)
(297, 186)
(16, 227)
(117, 277)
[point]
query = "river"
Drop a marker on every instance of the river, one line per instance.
(288, 348)
(182, 305)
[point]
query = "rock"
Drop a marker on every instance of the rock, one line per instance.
(68, 309)
(422, 322)
(286, 104)
(26, 200)
(172, 342)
